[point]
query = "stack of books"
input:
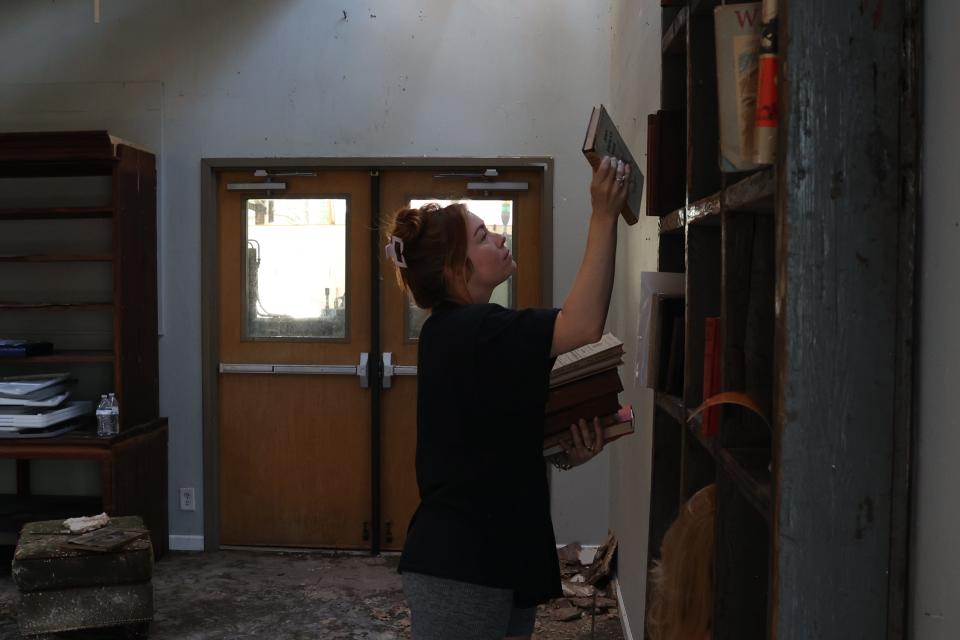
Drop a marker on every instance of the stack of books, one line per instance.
(38, 406)
(14, 348)
(584, 383)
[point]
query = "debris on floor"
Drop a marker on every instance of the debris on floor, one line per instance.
(587, 597)
(260, 594)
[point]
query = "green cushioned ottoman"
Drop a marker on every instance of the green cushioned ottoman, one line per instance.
(66, 590)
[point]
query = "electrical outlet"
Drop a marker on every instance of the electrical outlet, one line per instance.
(187, 501)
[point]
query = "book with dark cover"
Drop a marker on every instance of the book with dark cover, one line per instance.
(615, 425)
(23, 349)
(665, 358)
(673, 382)
(599, 406)
(578, 391)
(666, 162)
(603, 139)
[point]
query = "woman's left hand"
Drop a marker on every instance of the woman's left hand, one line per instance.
(587, 442)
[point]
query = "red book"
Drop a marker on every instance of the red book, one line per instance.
(711, 374)
(768, 112)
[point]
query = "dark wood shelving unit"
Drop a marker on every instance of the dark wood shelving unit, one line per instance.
(77, 356)
(133, 464)
(54, 213)
(672, 223)
(673, 38)
(56, 306)
(753, 194)
(722, 240)
(672, 405)
(71, 257)
(808, 264)
(748, 468)
(704, 7)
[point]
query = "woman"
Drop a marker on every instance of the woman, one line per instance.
(480, 551)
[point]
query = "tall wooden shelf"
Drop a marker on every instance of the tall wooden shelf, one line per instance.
(78, 226)
(780, 255)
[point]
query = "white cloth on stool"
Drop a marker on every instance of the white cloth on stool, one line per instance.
(86, 523)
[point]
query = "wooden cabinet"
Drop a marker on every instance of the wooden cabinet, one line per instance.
(78, 268)
(809, 266)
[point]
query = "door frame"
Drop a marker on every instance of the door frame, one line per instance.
(209, 289)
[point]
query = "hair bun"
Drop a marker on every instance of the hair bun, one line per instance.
(408, 224)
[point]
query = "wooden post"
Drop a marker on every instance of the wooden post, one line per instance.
(844, 223)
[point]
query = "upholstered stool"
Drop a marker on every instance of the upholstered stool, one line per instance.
(67, 590)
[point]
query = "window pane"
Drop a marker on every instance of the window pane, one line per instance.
(498, 216)
(296, 265)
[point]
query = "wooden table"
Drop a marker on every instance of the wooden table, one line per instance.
(133, 476)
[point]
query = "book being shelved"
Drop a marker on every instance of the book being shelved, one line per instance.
(603, 139)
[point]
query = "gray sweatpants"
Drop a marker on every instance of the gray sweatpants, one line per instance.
(442, 609)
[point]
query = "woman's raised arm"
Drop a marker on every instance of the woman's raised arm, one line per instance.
(584, 312)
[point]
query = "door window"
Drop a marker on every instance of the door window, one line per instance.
(296, 268)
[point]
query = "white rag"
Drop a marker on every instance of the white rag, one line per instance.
(86, 523)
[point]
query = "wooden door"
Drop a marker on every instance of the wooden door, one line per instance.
(294, 289)
(518, 213)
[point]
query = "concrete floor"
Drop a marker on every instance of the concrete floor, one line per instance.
(271, 595)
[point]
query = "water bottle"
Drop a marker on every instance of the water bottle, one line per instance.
(114, 415)
(104, 417)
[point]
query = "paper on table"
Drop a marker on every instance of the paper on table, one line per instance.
(652, 282)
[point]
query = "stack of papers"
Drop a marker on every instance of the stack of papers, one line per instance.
(38, 406)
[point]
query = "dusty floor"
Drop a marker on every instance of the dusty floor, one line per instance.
(265, 595)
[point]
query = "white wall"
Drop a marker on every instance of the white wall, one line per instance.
(251, 78)
(935, 584)
(635, 92)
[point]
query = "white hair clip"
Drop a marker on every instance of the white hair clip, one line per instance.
(394, 251)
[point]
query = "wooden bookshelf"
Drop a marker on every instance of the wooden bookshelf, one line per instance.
(54, 213)
(676, 33)
(65, 257)
(673, 222)
(56, 306)
(77, 356)
(672, 405)
(809, 266)
(114, 348)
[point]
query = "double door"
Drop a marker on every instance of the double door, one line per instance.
(317, 342)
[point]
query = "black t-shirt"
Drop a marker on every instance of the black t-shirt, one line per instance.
(484, 516)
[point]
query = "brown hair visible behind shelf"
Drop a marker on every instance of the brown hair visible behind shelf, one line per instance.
(682, 580)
